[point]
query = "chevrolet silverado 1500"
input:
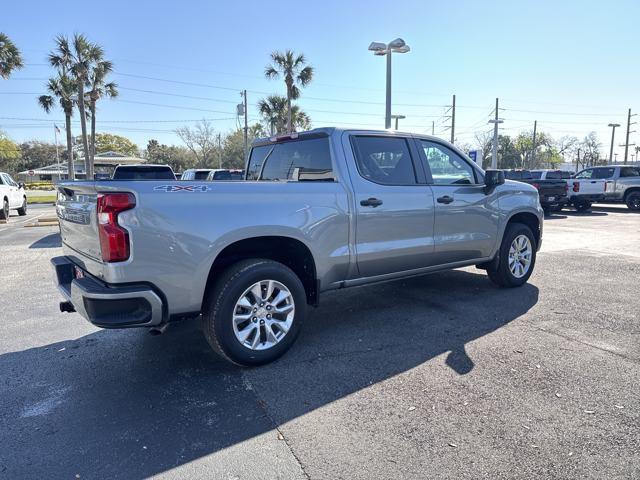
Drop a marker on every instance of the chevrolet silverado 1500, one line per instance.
(317, 211)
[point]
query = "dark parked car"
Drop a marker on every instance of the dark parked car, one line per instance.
(553, 192)
(143, 172)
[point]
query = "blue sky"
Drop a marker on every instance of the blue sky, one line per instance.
(573, 66)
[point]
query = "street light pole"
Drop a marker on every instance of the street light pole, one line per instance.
(494, 150)
(613, 134)
(378, 48)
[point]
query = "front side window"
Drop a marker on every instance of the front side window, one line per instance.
(300, 160)
(2, 182)
(585, 173)
(538, 175)
(446, 166)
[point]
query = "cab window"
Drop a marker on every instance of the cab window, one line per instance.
(446, 166)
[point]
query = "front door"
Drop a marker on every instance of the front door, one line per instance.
(394, 206)
(466, 217)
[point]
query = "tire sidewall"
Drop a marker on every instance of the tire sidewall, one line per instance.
(512, 232)
(219, 316)
(629, 199)
(5, 210)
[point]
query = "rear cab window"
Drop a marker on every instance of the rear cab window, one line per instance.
(297, 160)
(143, 173)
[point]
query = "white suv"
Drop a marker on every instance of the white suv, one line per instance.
(12, 196)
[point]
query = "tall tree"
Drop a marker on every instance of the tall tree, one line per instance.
(108, 142)
(294, 70)
(9, 154)
(233, 146)
(274, 111)
(201, 140)
(178, 158)
(77, 57)
(99, 88)
(10, 58)
(62, 89)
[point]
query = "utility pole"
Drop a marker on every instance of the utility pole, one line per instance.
(246, 126)
(578, 161)
(219, 151)
(626, 142)
(613, 134)
(453, 119)
(433, 127)
(533, 147)
(494, 152)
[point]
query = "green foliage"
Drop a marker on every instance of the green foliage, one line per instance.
(37, 154)
(178, 158)
(273, 110)
(233, 146)
(9, 154)
(10, 58)
(107, 142)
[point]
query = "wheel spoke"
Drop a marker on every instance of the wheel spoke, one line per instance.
(245, 333)
(244, 302)
(256, 290)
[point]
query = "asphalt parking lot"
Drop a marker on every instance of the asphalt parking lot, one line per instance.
(443, 376)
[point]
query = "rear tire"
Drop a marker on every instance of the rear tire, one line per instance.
(266, 333)
(633, 201)
(4, 211)
(22, 211)
(582, 206)
(507, 273)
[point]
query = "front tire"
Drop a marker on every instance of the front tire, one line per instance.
(254, 312)
(633, 201)
(22, 211)
(516, 257)
(4, 211)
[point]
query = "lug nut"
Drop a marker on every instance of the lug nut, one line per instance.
(268, 307)
(261, 322)
(254, 319)
(268, 315)
(262, 304)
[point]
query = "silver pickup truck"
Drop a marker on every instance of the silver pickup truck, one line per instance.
(317, 211)
(621, 183)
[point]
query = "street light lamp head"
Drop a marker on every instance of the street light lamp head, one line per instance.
(378, 47)
(496, 121)
(614, 125)
(403, 49)
(397, 43)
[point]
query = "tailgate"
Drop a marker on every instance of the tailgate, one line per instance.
(76, 210)
(587, 187)
(555, 188)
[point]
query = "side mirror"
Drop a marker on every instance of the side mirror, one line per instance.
(493, 178)
(21, 184)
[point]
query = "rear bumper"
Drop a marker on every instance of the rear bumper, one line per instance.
(596, 197)
(105, 305)
(546, 201)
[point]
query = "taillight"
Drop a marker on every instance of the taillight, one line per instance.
(566, 187)
(537, 187)
(576, 186)
(114, 240)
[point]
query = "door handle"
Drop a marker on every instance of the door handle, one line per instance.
(371, 202)
(446, 199)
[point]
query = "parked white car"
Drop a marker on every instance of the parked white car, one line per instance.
(12, 196)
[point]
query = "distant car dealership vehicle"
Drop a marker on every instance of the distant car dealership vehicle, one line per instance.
(196, 173)
(225, 174)
(12, 196)
(143, 172)
(621, 183)
(552, 191)
(551, 174)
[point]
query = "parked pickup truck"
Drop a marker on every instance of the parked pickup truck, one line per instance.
(12, 196)
(581, 192)
(553, 191)
(318, 211)
(621, 183)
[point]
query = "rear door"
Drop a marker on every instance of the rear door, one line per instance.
(15, 199)
(394, 206)
(466, 218)
(590, 183)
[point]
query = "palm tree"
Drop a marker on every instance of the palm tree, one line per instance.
(275, 112)
(10, 58)
(77, 57)
(99, 89)
(62, 88)
(295, 72)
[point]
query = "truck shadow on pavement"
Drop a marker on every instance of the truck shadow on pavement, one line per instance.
(52, 240)
(123, 404)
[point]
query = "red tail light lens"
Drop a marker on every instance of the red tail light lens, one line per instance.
(114, 240)
(576, 186)
(536, 186)
(566, 188)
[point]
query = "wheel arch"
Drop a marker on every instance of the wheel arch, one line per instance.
(289, 251)
(529, 219)
(629, 191)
